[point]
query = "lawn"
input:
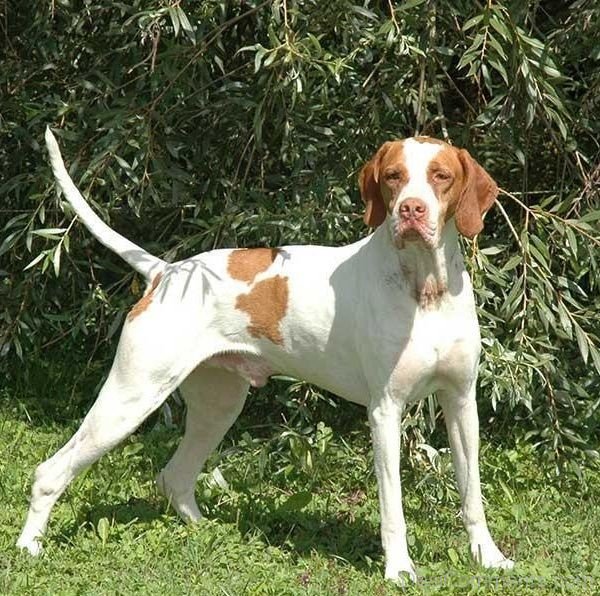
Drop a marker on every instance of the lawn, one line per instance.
(292, 513)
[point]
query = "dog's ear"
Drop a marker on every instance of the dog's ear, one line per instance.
(478, 194)
(370, 191)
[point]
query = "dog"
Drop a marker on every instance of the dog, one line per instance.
(382, 322)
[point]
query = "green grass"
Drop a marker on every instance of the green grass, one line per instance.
(299, 516)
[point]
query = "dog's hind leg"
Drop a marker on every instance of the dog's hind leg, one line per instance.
(214, 399)
(135, 387)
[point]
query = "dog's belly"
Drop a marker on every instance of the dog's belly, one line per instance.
(254, 369)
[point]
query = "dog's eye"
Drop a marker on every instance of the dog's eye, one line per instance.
(393, 175)
(442, 176)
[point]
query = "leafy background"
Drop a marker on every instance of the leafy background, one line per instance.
(211, 124)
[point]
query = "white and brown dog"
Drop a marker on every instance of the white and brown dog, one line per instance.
(382, 322)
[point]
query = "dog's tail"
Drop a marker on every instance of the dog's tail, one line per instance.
(143, 262)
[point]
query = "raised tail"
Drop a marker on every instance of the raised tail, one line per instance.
(143, 262)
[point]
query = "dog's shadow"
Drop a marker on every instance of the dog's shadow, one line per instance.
(297, 533)
(301, 532)
(119, 516)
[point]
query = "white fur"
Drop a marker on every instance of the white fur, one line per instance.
(358, 323)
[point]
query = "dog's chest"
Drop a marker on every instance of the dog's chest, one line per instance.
(441, 350)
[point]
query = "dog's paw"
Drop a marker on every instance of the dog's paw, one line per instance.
(488, 555)
(401, 573)
(189, 512)
(503, 564)
(186, 505)
(32, 545)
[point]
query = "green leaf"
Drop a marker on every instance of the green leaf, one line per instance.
(132, 449)
(52, 233)
(9, 241)
(258, 57)
(531, 41)
(551, 71)
(500, 27)
(219, 479)
(56, 259)
(186, 25)
(174, 14)
(35, 261)
(472, 22)
(103, 529)
(492, 250)
(496, 45)
(582, 342)
(296, 502)
(361, 10)
(406, 5)
(590, 216)
(595, 357)
(453, 556)
(500, 69)
(513, 262)
(565, 320)
(539, 257)
(572, 239)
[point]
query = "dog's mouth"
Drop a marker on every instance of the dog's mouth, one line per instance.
(416, 232)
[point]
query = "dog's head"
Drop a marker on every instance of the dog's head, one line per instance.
(418, 184)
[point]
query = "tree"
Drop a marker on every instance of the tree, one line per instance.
(199, 125)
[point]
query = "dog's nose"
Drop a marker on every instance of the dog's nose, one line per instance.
(414, 209)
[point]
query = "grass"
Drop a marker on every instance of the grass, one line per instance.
(297, 515)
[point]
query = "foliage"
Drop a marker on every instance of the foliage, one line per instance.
(197, 125)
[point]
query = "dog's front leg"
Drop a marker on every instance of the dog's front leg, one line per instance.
(384, 418)
(462, 422)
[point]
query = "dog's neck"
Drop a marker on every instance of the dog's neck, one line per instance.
(426, 274)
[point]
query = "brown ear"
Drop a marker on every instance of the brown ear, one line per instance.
(478, 195)
(368, 182)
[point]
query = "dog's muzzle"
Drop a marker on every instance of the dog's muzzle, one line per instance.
(413, 222)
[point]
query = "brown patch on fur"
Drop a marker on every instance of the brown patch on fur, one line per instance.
(431, 292)
(266, 304)
(467, 195)
(378, 178)
(392, 173)
(144, 302)
(478, 194)
(447, 191)
(425, 139)
(244, 264)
